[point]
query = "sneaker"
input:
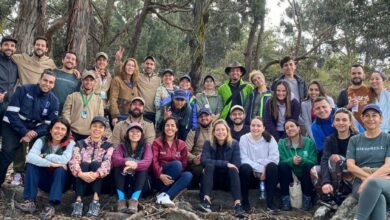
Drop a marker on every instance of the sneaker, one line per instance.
(17, 179)
(26, 206)
(286, 206)
(163, 199)
(121, 205)
(47, 213)
(205, 206)
(238, 211)
(306, 203)
(77, 210)
(133, 206)
(94, 209)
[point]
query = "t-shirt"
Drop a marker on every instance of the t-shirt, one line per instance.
(237, 134)
(342, 146)
(363, 96)
(66, 84)
(281, 117)
(294, 88)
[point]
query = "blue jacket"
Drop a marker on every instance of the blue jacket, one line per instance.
(231, 155)
(31, 109)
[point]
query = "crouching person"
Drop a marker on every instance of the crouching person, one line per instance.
(90, 163)
(46, 167)
(131, 161)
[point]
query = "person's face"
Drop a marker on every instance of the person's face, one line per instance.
(371, 119)
(179, 103)
(40, 48)
(289, 68)
(97, 130)
(58, 131)
(235, 74)
(314, 91)
(357, 75)
(88, 83)
(185, 84)
(148, 66)
(220, 132)
(257, 127)
(322, 109)
(341, 122)
(376, 81)
(8, 48)
(136, 108)
(130, 67)
(209, 84)
(237, 116)
(292, 130)
(258, 81)
(69, 61)
(168, 78)
(281, 92)
(170, 128)
(46, 83)
(101, 63)
(135, 135)
(204, 119)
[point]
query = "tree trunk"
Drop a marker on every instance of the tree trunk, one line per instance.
(106, 33)
(259, 45)
(138, 28)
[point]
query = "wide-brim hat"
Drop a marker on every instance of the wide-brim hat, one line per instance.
(235, 64)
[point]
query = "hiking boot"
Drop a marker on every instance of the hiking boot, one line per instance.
(27, 206)
(285, 206)
(47, 213)
(272, 208)
(205, 205)
(121, 205)
(163, 199)
(77, 210)
(17, 179)
(94, 209)
(238, 211)
(133, 206)
(306, 203)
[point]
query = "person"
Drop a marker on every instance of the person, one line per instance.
(209, 97)
(81, 107)
(185, 84)
(259, 162)
(315, 90)
(103, 77)
(221, 161)
(46, 168)
(371, 169)
(181, 110)
(165, 91)
(194, 143)
(131, 161)
(356, 96)
(255, 106)
(234, 91)
(169, 163)
(296, 83)
(381, 97)
(280, 107)
(123, 89)
(238, 127)
(297, 155)
(136, 111)
(27, 117)
(90, 163)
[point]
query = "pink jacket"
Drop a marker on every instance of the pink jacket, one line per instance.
(119, 159)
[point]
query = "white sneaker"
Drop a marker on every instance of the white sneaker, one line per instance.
(163, 199)
(17, 179)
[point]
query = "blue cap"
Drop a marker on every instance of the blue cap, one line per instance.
(187, 77)
(204, 111)
(180, 94)
(372, 107)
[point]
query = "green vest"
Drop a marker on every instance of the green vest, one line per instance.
(46, 149)
(225, 93)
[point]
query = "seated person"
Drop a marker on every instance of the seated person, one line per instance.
(46, 167)
(90, 163)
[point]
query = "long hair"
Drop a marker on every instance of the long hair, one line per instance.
(353, 128)
(229, 138)
(274, 108)
(320, 88)
(163, 135)
(266, 135)
(140, 145)
(62, 121)
(384, 78)
(296, 124)
(134, 77)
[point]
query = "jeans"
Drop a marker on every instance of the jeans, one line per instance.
(80, 185)
(285, 178)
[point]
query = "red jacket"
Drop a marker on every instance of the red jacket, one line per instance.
(163, 154)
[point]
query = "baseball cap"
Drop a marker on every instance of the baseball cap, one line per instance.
(237, 107)
(165, 71)
(179, 94)
(137, 98)
(372, 107)
(100, 119)
(135, 125)
(101, 54)
(186, 76)
(204, 111)
(150, 58)
(8, 38)
(87, 73)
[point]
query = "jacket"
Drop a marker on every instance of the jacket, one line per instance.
(162, 100)
(183, 116)
(195, 147)
(302, 87)
(214, 102)
(31, 109)
(226, 94)
(306, 150)
(147, 87)
(8, 76)
(163, 154)
(249, 105)
(231, 155)
(120, 94)
(119, 132)
(102, 86)
(119, 157)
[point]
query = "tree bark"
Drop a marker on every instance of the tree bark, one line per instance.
(259, 45)
(138, 28)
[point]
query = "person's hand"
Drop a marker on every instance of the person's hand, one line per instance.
(262, 177)
(230, 165)
(327, 189)
(2, 95)
(196, 160)
(167, 180)
(85, 177)
(297, 160)
(167, 112)
(25, 139)
(119, 54)
(56, 165)
(114, 121)
(32, 134)
(76, 73)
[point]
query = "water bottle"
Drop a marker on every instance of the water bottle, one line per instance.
(262, 190)
(355, 108)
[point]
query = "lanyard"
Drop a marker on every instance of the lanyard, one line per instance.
(85, 103)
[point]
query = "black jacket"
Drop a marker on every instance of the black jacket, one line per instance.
(231, 155)
(8, 76)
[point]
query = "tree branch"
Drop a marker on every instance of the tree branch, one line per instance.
(97, 12)
(171, 7)
(125, 28)
(170, 23)
(57, 24)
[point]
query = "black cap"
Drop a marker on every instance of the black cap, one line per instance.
(8, 38)
(100, 119)
(165, 71)
(207, 77)
(150, 58)
(372, 107)
(204, 111)
(186, 76)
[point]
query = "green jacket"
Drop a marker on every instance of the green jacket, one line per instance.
(225, 93)
(306, 150)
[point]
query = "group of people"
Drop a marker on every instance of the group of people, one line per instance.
(166, 137)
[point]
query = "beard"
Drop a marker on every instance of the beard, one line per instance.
(135, 113)
(357, 82)
(236, 122)
(206, 125)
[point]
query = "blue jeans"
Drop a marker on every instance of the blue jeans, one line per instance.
(181, 179)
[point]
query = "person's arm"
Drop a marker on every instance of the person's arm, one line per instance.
(325, 172)
(236, 157)
(331, 101)
(245, 155)
(306, 116)
(268, 121)
(351, 162)
(342, 99)
(219, 106)
(75, 161)
(184, 155)
(115, 136)
(283, 154)
(149, 133)
(114, 94)
(34, 155)
(12, 112)
(312, 152)
(64, 157)
(194, 111)
(105, 166)
(273, 153)
(117, 159)
(318, 136)
(190, 144)
(157, 98)
(205, 157)
(101, 107)
(144, 164)
(296, 109)
(67, 108)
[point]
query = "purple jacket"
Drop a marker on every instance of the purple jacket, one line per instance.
(119, 160)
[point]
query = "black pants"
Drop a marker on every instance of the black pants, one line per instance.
(129, 183)
(222, 179)
(196, 171)
(80, 185)
(285, 178)
(248, 181)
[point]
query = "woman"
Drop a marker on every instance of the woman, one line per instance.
(169, 163)
(209, 97)
(46, 167)
(221, 160)
(90, 163)
(279, 108)
(315, 90)
(131, 161)
(185, 84)
(123, 89)
(368, 159)
(297, 154)
(259, 159)
(255, 105)
(381, 97)
(165, 91)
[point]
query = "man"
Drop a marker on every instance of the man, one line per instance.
(103, 77)
(356, 96)
(81, 107)
(27, 117)
(194, 142)
(234, 91)
(238, 127)
(66, 83)
(297, 84)
(136, 111)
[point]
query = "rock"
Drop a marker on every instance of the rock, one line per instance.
(323, 213)
(346, 210)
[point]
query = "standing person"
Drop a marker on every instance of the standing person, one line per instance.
(308, 114)
(296, 83)
(356, 96)
(90, 163)
(165, 91)
(46, 168)
(209, 97)
(27, 117)
(297, 154)
(221, 161)
(255, 106)
(238, 127)
(103, 77)
(169, 163)
(234, 91)
(81, 107)
(381, 97)
(279, 108)
(185, 84)
(259, 162)
(131, 161)
(123, 89)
